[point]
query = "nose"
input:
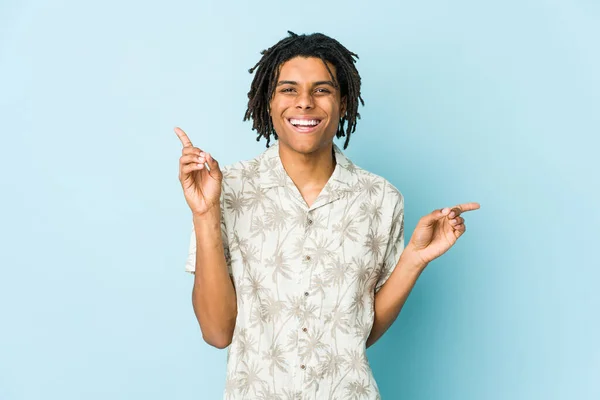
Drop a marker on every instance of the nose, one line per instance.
(304, 101)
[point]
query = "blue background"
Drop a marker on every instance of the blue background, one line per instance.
(495, 102)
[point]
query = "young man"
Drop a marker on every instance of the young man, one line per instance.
(298, 254)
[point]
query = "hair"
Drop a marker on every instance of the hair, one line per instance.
(314, 45)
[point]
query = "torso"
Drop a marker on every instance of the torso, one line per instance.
(306, 267)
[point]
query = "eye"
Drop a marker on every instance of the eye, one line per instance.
(322, 90)
(287, 90)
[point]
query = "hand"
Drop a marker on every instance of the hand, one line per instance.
(201, 186)
(435, 233)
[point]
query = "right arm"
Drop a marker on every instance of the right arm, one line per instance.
(213, 295)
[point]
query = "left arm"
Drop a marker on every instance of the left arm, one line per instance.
(434, 234)
(393, 294)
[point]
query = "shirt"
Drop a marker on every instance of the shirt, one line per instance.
(305, 277)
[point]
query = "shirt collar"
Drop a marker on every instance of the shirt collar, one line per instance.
(343, 180)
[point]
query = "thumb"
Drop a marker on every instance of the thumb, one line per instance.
(215, 171)
(434, 216)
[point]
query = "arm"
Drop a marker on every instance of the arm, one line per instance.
(213, 295)
(434, 234)
(393, 294)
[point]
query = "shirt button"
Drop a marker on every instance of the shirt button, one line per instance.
(306, 293)
(307, 258)
(310, 221)
(304, 330)
(303, 366)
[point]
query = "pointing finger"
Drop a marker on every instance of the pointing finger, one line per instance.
(468, 207)
(185, 140)
(459, 209)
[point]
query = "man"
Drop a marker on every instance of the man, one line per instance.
(298, 254)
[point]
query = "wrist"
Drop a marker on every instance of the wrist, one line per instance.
(209, 215)
(411, 259)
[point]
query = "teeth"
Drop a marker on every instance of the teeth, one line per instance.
(304, 122)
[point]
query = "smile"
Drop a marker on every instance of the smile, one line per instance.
(304, 125)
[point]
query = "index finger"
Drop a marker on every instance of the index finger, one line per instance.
(185, 140)
(467, 207)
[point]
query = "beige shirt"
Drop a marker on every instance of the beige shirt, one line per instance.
(305, 278)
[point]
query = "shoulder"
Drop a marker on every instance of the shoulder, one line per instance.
(368, 184)
(378, 186)
(241, 171)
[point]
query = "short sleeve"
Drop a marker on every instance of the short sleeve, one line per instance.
(190, 263)
(395, 244)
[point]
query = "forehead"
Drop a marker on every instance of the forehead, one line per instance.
(305, 69)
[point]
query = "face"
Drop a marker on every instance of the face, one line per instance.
(306, 106)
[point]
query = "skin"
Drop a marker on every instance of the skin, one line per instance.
(308, 160)
(305, 90)
(201, 178)
(434, 235)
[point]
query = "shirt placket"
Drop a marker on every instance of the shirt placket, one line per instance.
(307, 293)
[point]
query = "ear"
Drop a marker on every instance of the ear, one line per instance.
(343, 105)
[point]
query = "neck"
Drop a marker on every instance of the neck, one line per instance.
(308, 171)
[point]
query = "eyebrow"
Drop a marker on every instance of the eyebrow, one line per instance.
(330, 83)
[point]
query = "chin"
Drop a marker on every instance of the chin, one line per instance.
(304, 145)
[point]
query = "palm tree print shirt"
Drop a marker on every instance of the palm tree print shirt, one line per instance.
(305, 278)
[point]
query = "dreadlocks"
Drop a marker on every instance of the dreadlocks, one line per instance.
(314, 45)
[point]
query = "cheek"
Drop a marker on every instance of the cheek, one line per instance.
(333, 110)
(280, 104)
(330, 106)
